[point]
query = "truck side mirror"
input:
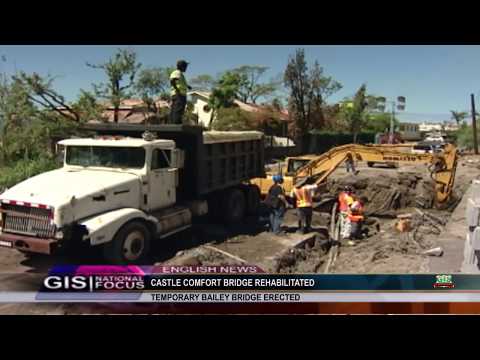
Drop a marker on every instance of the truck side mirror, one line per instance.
(60, 155)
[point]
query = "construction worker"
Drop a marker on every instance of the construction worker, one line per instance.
(303, 194)
(345, 199)
(277, 204)
(356, 218)
(178, 92)
(350, 164)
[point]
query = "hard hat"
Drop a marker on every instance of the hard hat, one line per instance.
(277, 178)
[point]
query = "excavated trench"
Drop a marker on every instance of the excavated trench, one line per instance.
(383, 249)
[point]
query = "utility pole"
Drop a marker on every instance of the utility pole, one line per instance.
(474, 125)
(392, 116)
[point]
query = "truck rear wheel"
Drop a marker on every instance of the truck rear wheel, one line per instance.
(235, 206)
(130, 245)
(253, 199)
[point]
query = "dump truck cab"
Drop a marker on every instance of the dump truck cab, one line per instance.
(122, 191)
(105, 182)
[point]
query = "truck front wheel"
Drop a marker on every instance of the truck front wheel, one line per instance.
(130, 245)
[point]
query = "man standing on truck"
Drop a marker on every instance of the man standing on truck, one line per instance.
(303, 194)
(277, 204)
(178, 92)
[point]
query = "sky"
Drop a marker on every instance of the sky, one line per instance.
(433, 79)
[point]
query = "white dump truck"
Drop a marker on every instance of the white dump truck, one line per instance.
(122, 192)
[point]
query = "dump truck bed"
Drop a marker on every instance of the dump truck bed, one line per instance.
(214, 160)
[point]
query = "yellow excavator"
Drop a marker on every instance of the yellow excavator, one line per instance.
(442, 165)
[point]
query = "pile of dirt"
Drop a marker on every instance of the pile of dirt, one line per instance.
(391, 251)
(383, 249)
(389, 192)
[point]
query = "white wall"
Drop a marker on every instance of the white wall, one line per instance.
(199, 109)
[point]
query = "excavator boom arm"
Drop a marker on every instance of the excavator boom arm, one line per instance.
(442, 165)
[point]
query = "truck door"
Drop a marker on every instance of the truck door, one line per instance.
(162, 189)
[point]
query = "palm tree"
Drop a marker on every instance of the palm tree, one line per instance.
(459, 116)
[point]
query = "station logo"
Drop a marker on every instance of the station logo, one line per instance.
(443, 281)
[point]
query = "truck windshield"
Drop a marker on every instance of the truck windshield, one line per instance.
(106, 156)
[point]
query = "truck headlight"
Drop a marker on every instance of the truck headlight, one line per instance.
(59, 235)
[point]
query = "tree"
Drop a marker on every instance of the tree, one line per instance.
(354, 112)
(203, 82)
(224, 94)
(459, 116)
(379, 122)
(152, 83)
(87, 107)
(27, 129)
(308, 92)
(40, 90)
(251, 89)
(233, 119)
(120, 70)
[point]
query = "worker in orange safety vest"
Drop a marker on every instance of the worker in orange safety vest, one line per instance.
(345, 200)
(303, 195)
(356, 217)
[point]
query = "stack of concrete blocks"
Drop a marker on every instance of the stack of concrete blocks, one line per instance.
(472, 243)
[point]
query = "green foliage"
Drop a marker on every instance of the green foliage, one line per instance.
(459, 116)
(203, 82)
(120, 70)
(308, 92)
(379, 122)
(233, 119)
(87, 107)
(28, 130)
(464, 136)
(23, 170)
(39, 90)
(354, 111)
(251, 89)
(152, 83)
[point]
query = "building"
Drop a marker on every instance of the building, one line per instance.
(429, 127)
(202, 109)
(410, 131)
(450, 126)
(131, 111)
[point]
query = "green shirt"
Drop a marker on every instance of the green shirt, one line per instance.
(181, 83)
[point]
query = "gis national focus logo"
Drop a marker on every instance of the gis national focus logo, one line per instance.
(115, 282)
(443, 281)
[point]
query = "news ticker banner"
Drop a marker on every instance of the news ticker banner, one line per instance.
(240, 284)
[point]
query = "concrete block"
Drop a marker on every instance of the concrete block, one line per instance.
(475, 239)
(475, 189)
(473, 213)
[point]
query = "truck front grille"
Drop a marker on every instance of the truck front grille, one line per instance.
(28, 220)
